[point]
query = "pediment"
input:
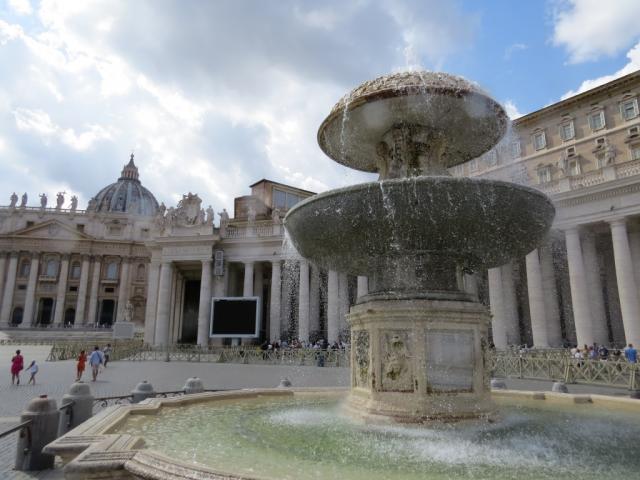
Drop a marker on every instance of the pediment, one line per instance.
(51, 229)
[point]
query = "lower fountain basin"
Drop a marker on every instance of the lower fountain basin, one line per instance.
(433, 221)
(285, 434)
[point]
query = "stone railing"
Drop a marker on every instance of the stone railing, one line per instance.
(252, 230)
(18, 208)
(609, 373)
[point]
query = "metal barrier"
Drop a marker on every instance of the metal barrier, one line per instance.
(569, 370)
(70, 350)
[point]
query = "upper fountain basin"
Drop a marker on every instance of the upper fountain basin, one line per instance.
(476, 222)
(440, 108)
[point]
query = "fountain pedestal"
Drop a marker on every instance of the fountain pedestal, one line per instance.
(419, 360)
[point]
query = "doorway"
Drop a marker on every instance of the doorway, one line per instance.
(107, 309)
(191, 305)
(45, 311)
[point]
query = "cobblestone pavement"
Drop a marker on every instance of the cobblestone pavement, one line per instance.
(119, 378)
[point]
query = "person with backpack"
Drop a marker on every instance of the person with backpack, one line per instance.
(95, 360)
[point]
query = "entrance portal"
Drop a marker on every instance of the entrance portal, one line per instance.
(107, 309)
(45, 311)
(191, 305)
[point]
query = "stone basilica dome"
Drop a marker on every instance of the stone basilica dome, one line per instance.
(127, 195)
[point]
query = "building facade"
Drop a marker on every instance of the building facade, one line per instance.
(126, 257)
(581, 286)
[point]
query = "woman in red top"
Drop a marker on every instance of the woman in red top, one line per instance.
(82, 359)
(17, 364)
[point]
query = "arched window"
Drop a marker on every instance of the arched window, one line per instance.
(75, 271)
(52, 268)
(16, 317)
(25, 267)
(141, 272)
(112, 271)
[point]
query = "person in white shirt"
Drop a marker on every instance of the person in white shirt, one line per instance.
(33, 369)
(95, 360)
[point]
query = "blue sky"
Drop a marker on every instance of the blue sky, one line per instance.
(213, 96)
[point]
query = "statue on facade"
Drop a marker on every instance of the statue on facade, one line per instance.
(74, 203)
(170, 219)
(609, 153)
(128, 311)
(275, 215)
(59, 200)
(209, 215)
(43, 201)
(91, 207)
(201, 217)
(162, 209)
(188, 210)
(224, 216)
(23, 201)
(14, 200)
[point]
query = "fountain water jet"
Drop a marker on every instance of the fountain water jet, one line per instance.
(418, 339)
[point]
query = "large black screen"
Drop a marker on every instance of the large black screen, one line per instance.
(234, 317)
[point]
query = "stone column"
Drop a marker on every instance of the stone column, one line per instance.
(258, 289)
(634, 246)
(510, 305)
(58, 317)
(274, 307)
(247, 289)
(303, 302)
(333, 310)
(498, 321)
(536, 300)
(152, 303)
(363, 286)
(343, 296)
(81, 319)
(30, 299)
(314, 299)
(164, 304)
(123, 289)
(93, 294)
(627, 289)
(205, 304)
(579, 290)
(552, 310)
(594, 285)
(10, 285)
(3, 264)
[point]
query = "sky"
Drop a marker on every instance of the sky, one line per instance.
(212, 96)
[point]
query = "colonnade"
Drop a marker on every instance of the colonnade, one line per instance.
(585, 285)
(88, 287)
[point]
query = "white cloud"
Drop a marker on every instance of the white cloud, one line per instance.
(589, 29)
(21, 7)
(511, 49)
(632, 65)
(512, 110)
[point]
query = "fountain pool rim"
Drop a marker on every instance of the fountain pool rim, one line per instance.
(93, 448)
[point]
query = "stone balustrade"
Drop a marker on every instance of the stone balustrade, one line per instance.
(589, 179)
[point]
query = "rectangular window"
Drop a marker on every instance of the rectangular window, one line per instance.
(80, 227)
(574, 167)
(571, 151)
(602, 162)
(633, 131)
(75, 271)
(539, 141)
(596, 120)
(516, 150)
(635, 152)
(629, 109)
(566, 131)
(544, 175)
(600, 142)
(473, 165)
(492, 158)
(284, 200)
(458, 171)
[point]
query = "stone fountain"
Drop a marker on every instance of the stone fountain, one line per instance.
(418, 339)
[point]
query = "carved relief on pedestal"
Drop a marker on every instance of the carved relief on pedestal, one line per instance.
(361, 346)
(395, 349)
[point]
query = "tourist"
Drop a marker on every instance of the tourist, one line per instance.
(33, 369)
(82, 360)
(95, 360)
(631, 354)
(106, 351)
(603, 352)
(17, 364)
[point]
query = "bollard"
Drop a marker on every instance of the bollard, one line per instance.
(193, 385)
(498, 384)
(284, 382)
(81, 409)
(559, 387)
(44, 415)
(142, 391)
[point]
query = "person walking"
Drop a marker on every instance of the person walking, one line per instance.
(17, 364)
(106, 351)
(82, 360)
(33, 369)
(95, 360)
(631, 354)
